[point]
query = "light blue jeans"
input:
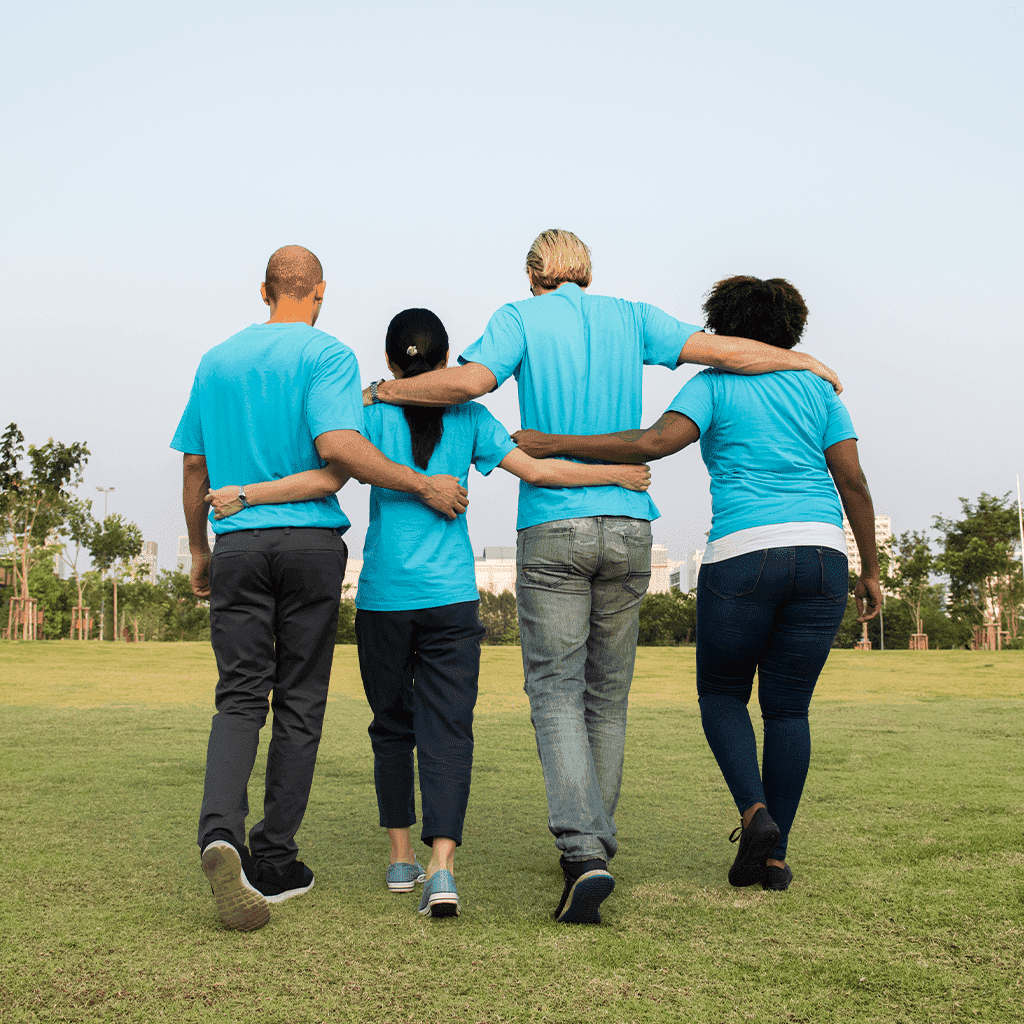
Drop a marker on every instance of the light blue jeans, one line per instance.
(579, 583)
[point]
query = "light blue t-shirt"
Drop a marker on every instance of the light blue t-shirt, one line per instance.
(763, 440)
(415, 557)
(578, 360)
(258, 402)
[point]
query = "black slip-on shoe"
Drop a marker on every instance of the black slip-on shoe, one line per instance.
(777, 879)
(587, 885)
(756, 841)
(240, 905)
(294, 881)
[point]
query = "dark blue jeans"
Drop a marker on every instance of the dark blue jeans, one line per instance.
(777, 611)
(420, 671)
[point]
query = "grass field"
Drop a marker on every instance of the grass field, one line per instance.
(908, 853)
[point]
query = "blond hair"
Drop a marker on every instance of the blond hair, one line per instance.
(557, 257)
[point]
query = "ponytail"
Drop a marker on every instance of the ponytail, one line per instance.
(416, 342)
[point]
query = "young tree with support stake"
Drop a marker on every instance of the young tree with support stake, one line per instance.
(31, 505)
(909, 572)
(113, 544)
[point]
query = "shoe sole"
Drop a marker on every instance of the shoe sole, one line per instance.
(442, 904)
(288, 894)
(240, 906)
(405, 886)
(589, 891)
(751, 870)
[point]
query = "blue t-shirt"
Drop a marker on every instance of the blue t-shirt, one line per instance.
(415, 557)
(578, 360)
(258, 402)
(763, 440)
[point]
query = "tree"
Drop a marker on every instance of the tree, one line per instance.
(113, 544)
(187, 616)
(667, 619)
(980, 558)
(498, 616)
(909, 573)
(34, 503)
(78, 528)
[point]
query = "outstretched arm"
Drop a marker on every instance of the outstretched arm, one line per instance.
(307, 486)
(349, 454)
(844, 465)
(451, 386)
(559, 473)
(741, 355)
(195, 483)
(672, 432)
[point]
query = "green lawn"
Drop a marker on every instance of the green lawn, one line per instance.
(907, 852)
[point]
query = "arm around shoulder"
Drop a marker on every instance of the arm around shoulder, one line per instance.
(748, 357)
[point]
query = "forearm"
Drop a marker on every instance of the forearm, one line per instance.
(671, 433)
(307, 486)
(860, 512)
(362, 461)
(748, 357)
(196, 484)
(453, 385)
(559, 473)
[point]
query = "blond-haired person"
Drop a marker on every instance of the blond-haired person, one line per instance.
(583, 556)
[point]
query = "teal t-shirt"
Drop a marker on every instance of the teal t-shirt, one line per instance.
(413, 556)
(258, 402)
(763, 441)
(578, 360)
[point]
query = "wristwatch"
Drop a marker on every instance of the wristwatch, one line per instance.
(242, 498)
(373, 391)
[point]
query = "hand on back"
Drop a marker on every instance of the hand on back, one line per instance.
(225, 501)
(446, 495)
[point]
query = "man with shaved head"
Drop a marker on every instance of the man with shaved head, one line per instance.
(277, 398)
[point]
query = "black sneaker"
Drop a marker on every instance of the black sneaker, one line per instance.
(777, 879)
(296, 880)
(240, 905)
(757, 840)
(587, 885)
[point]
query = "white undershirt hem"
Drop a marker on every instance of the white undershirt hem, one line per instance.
(777, 535)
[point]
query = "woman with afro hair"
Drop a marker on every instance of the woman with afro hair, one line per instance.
(773, 582)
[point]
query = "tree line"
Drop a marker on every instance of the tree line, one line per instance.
(946, 586)
(42, 519)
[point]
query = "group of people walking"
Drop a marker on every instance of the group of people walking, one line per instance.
(277, 422)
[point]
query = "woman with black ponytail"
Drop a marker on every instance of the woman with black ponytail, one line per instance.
(417, 623)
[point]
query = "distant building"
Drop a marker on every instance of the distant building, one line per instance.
(353, 567)
(148, 558)
(496, 570)
(183, 560)
(883, 540)
(663, 569)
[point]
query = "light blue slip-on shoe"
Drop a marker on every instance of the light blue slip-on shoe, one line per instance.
(402, 877)
(440, 898)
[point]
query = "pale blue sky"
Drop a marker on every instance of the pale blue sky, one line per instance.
(155, 155)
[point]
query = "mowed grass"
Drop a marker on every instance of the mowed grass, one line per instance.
(907, 851)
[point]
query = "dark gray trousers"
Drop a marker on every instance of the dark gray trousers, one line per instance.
(273, 617)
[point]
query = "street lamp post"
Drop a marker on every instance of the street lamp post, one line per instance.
(103, 593)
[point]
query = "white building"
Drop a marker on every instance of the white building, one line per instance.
(883, 540)
(183, 560)
(148, 559)
(496, 570)
(663, 571)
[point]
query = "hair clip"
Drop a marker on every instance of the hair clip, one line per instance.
(412, 350)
